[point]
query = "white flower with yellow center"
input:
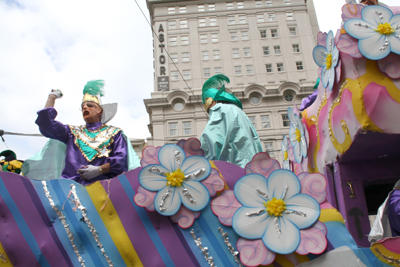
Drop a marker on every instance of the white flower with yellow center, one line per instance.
(378, 32)
(177, 180)
(273, 210)
(327, 57)
(296, 136)
(285, 154)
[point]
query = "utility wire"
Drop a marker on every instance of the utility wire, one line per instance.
(176, 67)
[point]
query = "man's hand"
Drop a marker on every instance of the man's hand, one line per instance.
(56, 92)
(89, 172)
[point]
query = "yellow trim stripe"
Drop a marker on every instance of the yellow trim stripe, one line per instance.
(220, 174)
(4, 260)
(113, 224)
(329, 215)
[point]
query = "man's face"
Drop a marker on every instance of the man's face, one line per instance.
(91, 112)
(370, 2)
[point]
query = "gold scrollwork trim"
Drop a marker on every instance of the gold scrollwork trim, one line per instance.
(389, 259)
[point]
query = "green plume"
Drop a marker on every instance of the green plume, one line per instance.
(94, 87)
(216, 81)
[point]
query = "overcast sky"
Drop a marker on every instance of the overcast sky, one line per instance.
(47, 44)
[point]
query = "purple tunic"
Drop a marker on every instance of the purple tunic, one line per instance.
(74, 158)
(394, 212)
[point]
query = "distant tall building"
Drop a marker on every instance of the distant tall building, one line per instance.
(264, 47)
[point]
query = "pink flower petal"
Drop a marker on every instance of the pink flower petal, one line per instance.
(351, 11)
(254, 252)
(321, 37)
(390, 65)
(145, 198)
(313, 239)
(191, 147)
(214, 182)
(150, 156)
(225, 207)
(185, 217)
(349, 45)
(262, 164)
(313, 184)
(338, 70)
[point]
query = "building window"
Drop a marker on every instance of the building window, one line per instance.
(185, 57)
(238, 70)
(271, 17)
(200, 8)
(174, 75)
(289, 95)
(173, 40)
(174, 57)
(263, 33)
(183, 24)
(206, 72)
(172, 25)
(277, 49)
(289, 16)
(217, 70)
(265, 50)
(202, 22)
(258, 3)
(285, 120)
(279, 67)
(171, 10)
(268, 147)
(229, 5)
(213, 21)
(211, 7)
(186, 74)
(296, 48)
(249, 69)
(182, 9)
(299, 65)
(287, 2)
(242, 19)
(173, 129)
(204, 55)
(268, 67)
(247, 52)
(203, 38)
(231, 20)
(178, 105)
(245, 36)
(240, 5)
(292, 31)
(274, 32)
(214, 38)
(233, 36)
(269, 2)
(184, 40)
(187, 127)
(260, 17)
(253, 120)
(216, 54)
(235, 53)
(265, 121)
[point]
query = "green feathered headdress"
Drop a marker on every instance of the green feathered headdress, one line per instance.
(93, 90)
(214, 89)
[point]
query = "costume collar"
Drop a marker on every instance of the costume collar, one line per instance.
(94, 125)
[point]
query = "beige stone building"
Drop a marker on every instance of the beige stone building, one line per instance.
(264, 47)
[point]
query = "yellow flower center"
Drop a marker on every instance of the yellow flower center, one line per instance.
(285, 155)
(275, 207)
(298, 135)
(328, 62)
(385, 28)
(175, 178)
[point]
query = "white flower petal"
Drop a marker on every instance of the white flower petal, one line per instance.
(194, 164)
(371, 47)
(298, 124)
(290, 114)
(198, 192)
(172, 202)
(285, 243)
(292, 135)
(297, 153)
(331, 79)
(152, 180)
(395, 20)
(167, 157)
(359, 32)
(251, 227)
(324, 77)
(369, 14)
(306, 204)
(394, 43)
(335, 57)
(280, 179)
(286, 165)
(303, 144)
(330, 42)
(246, 190)
(319, 55)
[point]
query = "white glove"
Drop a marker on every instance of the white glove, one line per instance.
(57, 93)
(89, 172)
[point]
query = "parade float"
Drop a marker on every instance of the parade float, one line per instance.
(179, 209)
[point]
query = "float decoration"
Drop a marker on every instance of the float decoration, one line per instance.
(297, 136)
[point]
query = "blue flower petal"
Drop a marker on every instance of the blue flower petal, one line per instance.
(250, 227)
(371, 47)
(278, 180)
(359, 32)
(319, 55)
(198, 192)
(152, 180)
(369, 14)
(285, 243)
(167, 157)
(194, 164)
(306, 204)
(246, 190)
(172, 202)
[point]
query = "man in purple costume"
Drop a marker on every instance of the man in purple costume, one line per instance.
(94, 151)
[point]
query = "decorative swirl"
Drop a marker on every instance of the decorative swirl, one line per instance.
(185, 217)
(225, 207)
(351, 11)
(214, 183)
(390, 65)
(150, 156)
(145, 198)
(254, 252)
(313, 239)
(191, 147)
(262, 164)
(349, 46)
(314, 185)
